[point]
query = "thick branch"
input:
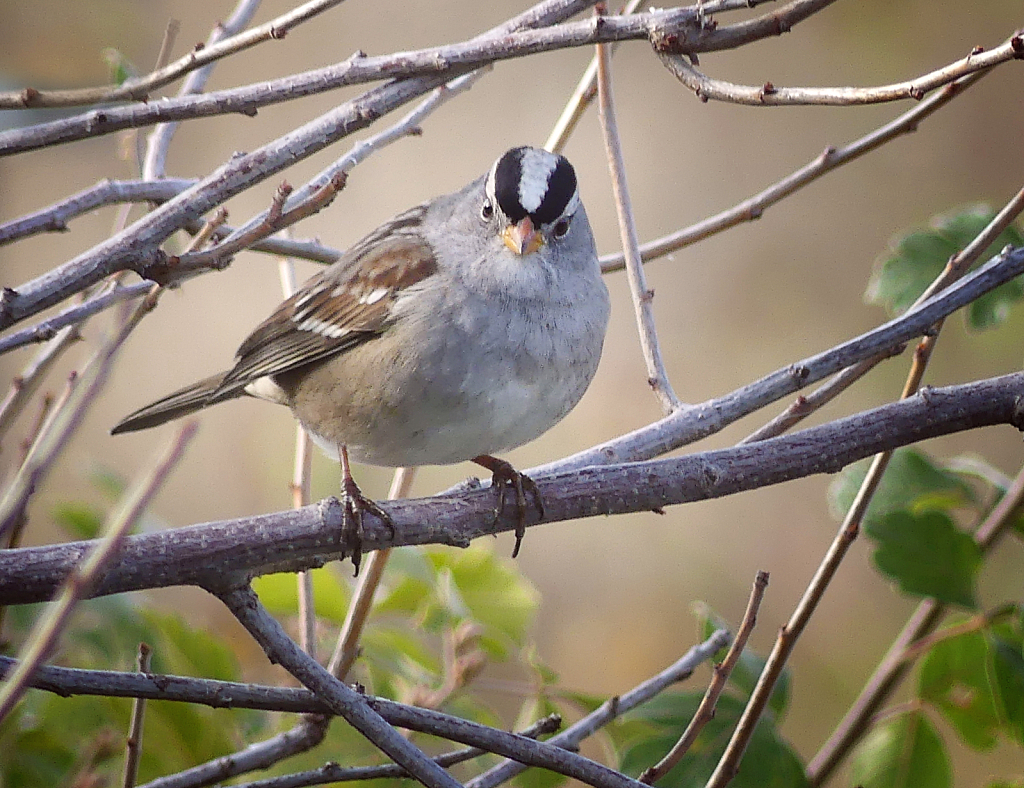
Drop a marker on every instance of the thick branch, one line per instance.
(310, 537)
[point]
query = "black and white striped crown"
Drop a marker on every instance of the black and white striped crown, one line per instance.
(533, 182)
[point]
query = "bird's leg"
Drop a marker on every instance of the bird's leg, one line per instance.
(355, 503)
(503, 476)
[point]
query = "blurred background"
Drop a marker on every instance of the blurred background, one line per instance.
(617, 592)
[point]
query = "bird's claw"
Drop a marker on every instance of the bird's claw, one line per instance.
(355, 504)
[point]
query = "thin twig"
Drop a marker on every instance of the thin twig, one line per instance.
(54, 218)
(581, 98)
(706, 710)
(133, 744)
(347, 649)
(753, 208)
(159, 140)
(771, 95)
(65, 421)
(139, 88)
(803, 406)
(301, 493)
(87, 573)
(657, 377)
(24, 385)
(73, 316)
(612, 708)
(332, 772)
(171, 31)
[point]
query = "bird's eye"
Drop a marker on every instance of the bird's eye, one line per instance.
(486, 210)
(561, 228)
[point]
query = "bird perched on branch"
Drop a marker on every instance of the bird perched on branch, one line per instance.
(463, 327)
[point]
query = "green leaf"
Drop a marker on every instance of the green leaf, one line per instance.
(768, 762)
(489, 590)
(1008, 677)
(80, 520)
(53, 739)
(408, 583)
(913, 262)
(927, 555)
(918, 257)
(120, 67)
(280, 594)
(902, 752)
(109, 482)
(913, 481)
(955, 679)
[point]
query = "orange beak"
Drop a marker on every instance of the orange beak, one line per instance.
(522, 238)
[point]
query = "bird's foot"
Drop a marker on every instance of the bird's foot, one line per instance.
(503, 478)
(355, 504)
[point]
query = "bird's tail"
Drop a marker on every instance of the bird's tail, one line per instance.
(181, 403)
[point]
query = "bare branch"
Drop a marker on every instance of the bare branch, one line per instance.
(298, 539)
(581, 98)
(139, 88)
(553, 754)
(133, 744)
(332, 772)
(85, 575)
(753, 208)
(657, 377)
(612, 708)
(306, 734)
(677, 29)
(73, 316)
(159, 140)
(771, 95)
(54, 218)
(706, 709)
(24, 385)
(340, 698)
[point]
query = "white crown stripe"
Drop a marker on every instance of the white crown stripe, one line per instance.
(536, 167)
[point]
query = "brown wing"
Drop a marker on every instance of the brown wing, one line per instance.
(346, 304)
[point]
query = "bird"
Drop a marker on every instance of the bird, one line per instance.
(462, 328)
